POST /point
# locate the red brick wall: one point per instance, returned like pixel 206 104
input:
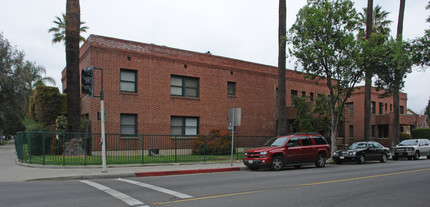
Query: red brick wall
pixel 255 88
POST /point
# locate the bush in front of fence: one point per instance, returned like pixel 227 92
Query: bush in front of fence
pixel 216 143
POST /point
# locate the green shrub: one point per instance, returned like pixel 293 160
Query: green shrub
pixel 404 136
pixel 216 143
pixel 46 104
pixel 421 133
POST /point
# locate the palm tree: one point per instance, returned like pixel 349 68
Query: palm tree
pixel 73 90
pixel 35 73
pixel 282 110
pixel 60 29
pixel 371 21
pixel 368 76
pixel 397 79
pixel 379 19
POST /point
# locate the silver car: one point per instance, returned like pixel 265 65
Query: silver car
pixel 412 149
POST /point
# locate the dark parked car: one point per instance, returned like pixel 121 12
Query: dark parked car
pixel 291 150
pixel 361 152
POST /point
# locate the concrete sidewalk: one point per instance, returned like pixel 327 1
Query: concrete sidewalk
pixel 12 171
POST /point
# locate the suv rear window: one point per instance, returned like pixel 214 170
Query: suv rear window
pixel 320 140
pixel 306 141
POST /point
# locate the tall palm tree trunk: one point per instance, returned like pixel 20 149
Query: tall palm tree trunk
pixel 396 96
pixel 73 16
pixel 368 79
pixel 282 110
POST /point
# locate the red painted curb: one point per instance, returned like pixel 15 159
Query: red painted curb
pixel 180 172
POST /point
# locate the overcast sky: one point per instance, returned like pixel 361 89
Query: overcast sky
pixel 240 29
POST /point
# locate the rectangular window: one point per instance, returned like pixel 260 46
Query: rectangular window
pixel 304 94
pixel 231 88
pixel 373 107
pixel 402 110
pixel 128 81
pixel 311 97
pixel 351 131
pixel 188 126
pixel 293 94
pixel 373 127
pixel 306 141
pixel 184 86
pixel 391 107
pixel 350 107
pixel 381 108
pixel 128 124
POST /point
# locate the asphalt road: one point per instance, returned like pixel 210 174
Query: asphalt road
pixel 395 183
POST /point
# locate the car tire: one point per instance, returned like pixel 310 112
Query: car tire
pixel 361 159
pixel 384 158
pixel 428 156
pixel 321 160
pixel 395 158
pixel 277 163
pixel 417 155
pixel 253 168
pixel 339 162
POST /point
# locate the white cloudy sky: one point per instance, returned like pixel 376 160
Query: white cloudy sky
pixel 240 29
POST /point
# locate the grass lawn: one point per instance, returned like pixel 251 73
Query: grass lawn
pixel 118 160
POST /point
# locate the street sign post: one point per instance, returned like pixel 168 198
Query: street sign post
pixel 234 119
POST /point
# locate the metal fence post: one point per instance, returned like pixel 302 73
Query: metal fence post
pixel 43 148
pixel 176 148
pixel 143 148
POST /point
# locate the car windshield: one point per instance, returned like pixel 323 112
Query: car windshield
pixel 408 142
pixel 358 145
pixel 276 142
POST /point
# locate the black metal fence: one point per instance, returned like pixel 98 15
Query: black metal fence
pixel 50 148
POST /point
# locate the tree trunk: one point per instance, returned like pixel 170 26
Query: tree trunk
pixel 368 79
pixel 73 19
pixel 396 96
pixel 281 108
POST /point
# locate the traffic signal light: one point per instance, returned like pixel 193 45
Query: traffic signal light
pixel 87 81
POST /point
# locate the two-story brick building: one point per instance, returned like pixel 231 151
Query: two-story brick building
pixel 152 89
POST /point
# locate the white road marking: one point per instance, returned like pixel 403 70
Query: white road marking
pixel 123 197
pixel 156 188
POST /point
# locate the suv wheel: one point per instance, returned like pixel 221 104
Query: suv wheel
pixel 417 155
pixel 277 163
pixel 321 160
pixel 253 168
pixel 384 158
pixel 361 159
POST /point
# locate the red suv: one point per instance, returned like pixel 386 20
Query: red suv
pixel 291 150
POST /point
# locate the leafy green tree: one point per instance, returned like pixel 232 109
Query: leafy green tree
pixel 324 43
pixel 304 118
pixel 16 78
pixel 370 21
pixel 312 117
pixel 421 47
pixel 59 31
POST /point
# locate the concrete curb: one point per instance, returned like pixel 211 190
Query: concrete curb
pixel 182 172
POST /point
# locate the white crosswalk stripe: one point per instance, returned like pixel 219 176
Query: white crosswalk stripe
pixel 123 197
pixel 156 188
